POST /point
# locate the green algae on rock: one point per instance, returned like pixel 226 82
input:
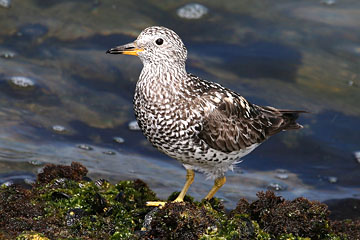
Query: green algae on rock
pixel 65 204
pixel 31 236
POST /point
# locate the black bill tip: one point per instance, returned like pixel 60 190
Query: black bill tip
pixel 127 49
pixel 116 50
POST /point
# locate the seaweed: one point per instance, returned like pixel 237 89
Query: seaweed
pixel 65 204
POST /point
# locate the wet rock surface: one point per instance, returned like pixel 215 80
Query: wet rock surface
pixel 348 208
pixel 62 205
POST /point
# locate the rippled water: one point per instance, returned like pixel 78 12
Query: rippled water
pixel 289 54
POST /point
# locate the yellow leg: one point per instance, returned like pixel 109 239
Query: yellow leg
pixel 219 182
pixel 190 175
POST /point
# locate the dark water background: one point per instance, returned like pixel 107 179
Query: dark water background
pixel 289 54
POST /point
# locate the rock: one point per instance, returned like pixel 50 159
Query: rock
pixel 192 11
pixel 133 125
pixel 276 186
pixel 328 2
pixel 85 147
pixel 58 128
pixel 5 3
pixel 22 82
pixel 7 54
pixel 332 179
pixel 357 156
pixel 118 140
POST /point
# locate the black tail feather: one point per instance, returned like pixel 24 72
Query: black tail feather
pixel 290 117
pixel 281 119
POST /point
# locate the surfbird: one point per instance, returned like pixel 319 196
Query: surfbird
pixel 202 124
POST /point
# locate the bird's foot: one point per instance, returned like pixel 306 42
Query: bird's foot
pixel 161 204
pixel 156 204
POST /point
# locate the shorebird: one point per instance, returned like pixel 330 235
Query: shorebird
pixel 202 124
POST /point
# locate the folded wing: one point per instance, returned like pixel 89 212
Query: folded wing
pixel 233 124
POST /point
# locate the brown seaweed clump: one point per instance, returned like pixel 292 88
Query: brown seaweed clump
pixel 18 213
pixel 180 221
pixel 74 172
pixel 347 229
pixel 278 216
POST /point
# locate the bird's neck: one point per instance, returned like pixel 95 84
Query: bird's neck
pixel 162 74
pixel 157 81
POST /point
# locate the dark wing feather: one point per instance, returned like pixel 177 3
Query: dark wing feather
pixel 235 124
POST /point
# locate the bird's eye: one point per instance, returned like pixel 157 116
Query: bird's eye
pixel 159 41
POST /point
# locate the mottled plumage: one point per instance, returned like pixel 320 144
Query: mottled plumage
pixel 203 125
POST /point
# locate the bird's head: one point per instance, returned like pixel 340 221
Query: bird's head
pixel 155 45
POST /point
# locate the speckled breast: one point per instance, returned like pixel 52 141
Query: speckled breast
pixel 169 124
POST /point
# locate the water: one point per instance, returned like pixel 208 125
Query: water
pixel 296 54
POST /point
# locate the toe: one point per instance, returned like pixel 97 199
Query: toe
pixel 156 204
